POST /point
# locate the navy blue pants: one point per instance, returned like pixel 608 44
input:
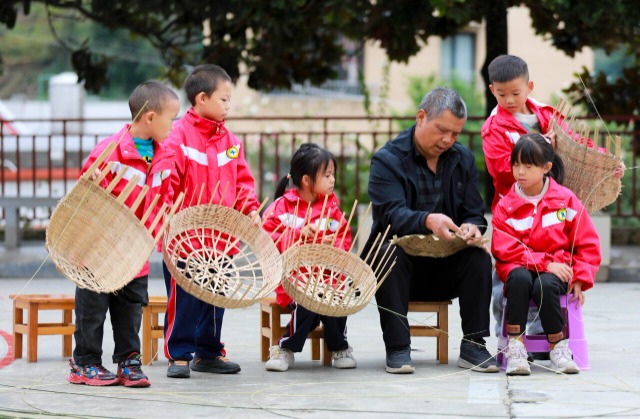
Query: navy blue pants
pixel 125 309
pixel 191 325
pixel 304 321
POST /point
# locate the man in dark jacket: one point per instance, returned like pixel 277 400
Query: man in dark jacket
pixel 423 182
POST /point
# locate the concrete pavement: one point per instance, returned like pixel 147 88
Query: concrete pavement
pixel 610 388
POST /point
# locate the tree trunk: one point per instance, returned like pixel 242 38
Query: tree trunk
pixel 497 41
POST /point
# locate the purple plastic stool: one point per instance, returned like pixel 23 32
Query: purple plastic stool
pixel 573 330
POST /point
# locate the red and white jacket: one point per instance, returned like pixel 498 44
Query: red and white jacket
pixel 558 229
pixel 281 218
pixel 500 132
pixel 156 175
pixel 208 153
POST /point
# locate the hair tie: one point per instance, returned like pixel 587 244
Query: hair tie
pixel 288 175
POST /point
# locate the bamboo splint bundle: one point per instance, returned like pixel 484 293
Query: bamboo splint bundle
pixel 330 281
pixel 431 246
pixel 588 172
pixel 219 255
pixel 94 239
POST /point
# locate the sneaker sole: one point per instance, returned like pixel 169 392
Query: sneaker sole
pixel 137 383
pixel 566 371
pixel 345 367
pixel 405 369
pixel 74 379
pixel 466 364
pixel 521 371
pixel 200 368
pixel 179 374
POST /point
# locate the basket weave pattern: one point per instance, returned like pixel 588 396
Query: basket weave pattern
pixel 95 241
pixel 327 280
pixel 429 245
pixel 220 256
pixel 587 171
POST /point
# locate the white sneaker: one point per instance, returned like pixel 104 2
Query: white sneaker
pixel 562 358
pixel 343 359
pixel 517 358
pixel 279 359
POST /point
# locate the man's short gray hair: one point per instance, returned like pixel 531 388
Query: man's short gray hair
pixel 443 99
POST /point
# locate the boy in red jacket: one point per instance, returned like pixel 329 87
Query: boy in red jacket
pixel 206 153
pixel 153 107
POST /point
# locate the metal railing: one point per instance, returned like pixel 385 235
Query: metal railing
pixel 46 165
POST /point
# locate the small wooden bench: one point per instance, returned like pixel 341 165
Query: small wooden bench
pixel 271 330
pixel 33 304
pixel 152 330
pixel 441 328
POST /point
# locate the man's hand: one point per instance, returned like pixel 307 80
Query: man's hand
pixel 470 234
pixel 442 226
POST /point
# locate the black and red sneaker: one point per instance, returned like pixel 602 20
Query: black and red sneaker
pixel 91 375
pixel 130 372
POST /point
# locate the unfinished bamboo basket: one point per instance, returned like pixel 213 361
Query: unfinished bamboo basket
pixel 331 281
pixel 431 246
pixel 588 172
pixel 94 239
pixel 219 255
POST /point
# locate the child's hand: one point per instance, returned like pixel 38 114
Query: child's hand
pixel 308 232
pixel 551 135
pixel 255 217
pixel 618 172
pixel 561 270
pixel 94 175
pixel 576 289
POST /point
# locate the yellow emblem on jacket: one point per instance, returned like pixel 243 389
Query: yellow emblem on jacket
pixel 562 214
pixel 233 152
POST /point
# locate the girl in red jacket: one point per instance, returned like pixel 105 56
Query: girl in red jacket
pixel 297 215
pixel 545 245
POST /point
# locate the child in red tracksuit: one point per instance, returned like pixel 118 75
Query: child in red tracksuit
pixel 140 150
pixel 516 114
pixel 545 245
pixel 207 153
pixel 297 214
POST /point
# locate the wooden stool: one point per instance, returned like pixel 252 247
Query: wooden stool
pixel 441 328
pixel 271 330
pixel 33 303
pixel 152 330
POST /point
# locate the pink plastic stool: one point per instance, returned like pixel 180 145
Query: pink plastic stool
pixel 573 330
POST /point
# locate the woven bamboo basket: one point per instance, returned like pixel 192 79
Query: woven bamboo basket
pixel 331 281
pixel 94 239
pixel 220 256
pixel 587 171
pixel 430 245
pixel 327 280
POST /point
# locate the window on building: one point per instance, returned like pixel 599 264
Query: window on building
pixel 457 57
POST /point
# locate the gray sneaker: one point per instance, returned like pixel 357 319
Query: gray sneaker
pixel 475 356
pixel 178 368
pixel 562 358
pixel 399 361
